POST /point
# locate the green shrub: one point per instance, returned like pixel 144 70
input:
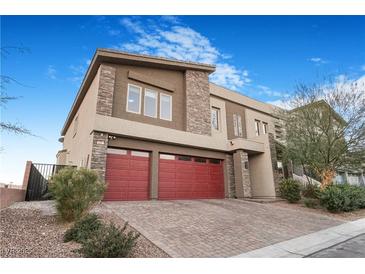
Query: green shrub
pixel 83 229
pixel 311 190
pixel 338 198
pixel 109 242
pixel 290 190
pixel 75 191
pixel 311 202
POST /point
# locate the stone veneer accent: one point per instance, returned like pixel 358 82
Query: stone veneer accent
pixel 104 105
pixel 242 175
pixel 197 102
pixel 277 176
pixel 230 176
pixel 98 154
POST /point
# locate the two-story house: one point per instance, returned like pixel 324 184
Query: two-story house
pixel 156 128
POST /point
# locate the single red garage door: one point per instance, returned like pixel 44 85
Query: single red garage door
pixel 185 177
pixel 127 175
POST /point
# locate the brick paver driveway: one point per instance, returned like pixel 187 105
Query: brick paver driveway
pixel 216 228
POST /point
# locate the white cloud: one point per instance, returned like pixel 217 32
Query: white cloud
pixel 113 32
pixel 280 103
pixel 269 92
pixel 51 72
pixel 317 60
pixel 180 42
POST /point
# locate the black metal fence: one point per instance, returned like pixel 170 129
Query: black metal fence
pixel 38 180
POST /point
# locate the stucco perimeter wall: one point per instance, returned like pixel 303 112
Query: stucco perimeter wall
pixel 79 145
pixel 9 196
pixel 261 171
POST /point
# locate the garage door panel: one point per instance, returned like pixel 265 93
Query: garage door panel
pixel 127 177
pixel 179 179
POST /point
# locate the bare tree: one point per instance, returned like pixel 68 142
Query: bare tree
pixel 6 80
pixel 325 128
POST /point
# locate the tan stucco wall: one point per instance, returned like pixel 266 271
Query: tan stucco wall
pixel 139 130
pixel 251 116
pixel 171 77
pixel 261 172
pixel 79 146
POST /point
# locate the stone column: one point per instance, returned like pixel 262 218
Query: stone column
pixel 154 174
pixel 197 102
pixel 277 176
pixel 104 105
pixel 242 174
pixel 98 153
pixel 229 177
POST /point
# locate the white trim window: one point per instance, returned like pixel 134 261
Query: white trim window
pixel 257 127
pixel 150 103
pixel 134 99
pixel 237 125
pixel 264 127
pixel 215 118
pixel 165 107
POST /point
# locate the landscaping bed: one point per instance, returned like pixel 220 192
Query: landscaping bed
pixel 344 216
pixel 31 229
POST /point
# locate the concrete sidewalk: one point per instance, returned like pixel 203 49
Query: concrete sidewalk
pixel 306 245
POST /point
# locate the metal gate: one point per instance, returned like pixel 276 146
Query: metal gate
pixel 38 180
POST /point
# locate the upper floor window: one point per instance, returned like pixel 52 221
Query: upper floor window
pixel 134 99
pixel 264 127
pixel 150 103
pixel 165 107
pixel 257 127
pixel 237 125
pixel 215 118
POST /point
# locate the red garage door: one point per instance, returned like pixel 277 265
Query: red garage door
pixel 127 175
pixel 185 177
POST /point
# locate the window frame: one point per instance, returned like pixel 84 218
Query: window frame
pixel 144 102
pixel 139 99
pixel 257 127
pixel 165 95
pixel 218 118
pixel 265 128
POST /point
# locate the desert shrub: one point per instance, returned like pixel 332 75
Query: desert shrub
pixel 109 241
pixel 311 190
pixel 338 198
pixel 290 190
pixel 75 191
pixel 311 202
pixel 83 229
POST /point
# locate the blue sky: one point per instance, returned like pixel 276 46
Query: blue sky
pixel 260 56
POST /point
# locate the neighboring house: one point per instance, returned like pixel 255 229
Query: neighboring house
pixel 156 128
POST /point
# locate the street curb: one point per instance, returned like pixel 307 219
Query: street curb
pixel 308 244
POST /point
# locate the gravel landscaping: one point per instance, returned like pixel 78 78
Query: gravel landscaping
pixel 343 216
pixel 31 229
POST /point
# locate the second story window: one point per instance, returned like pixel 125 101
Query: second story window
pixel 237 125
pixel 257 127
pixel 264 127
pixel 165 107
pixel 150 103
pixel 134 99
pixel 215 118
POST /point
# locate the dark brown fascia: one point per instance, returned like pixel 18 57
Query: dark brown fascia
pixel 125 58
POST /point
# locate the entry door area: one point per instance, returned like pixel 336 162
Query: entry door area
pixel 187 177
pixel 127 175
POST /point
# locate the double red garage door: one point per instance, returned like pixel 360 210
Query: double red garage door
pixel 180 177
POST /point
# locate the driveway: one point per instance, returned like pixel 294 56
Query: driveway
pixel 216 228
